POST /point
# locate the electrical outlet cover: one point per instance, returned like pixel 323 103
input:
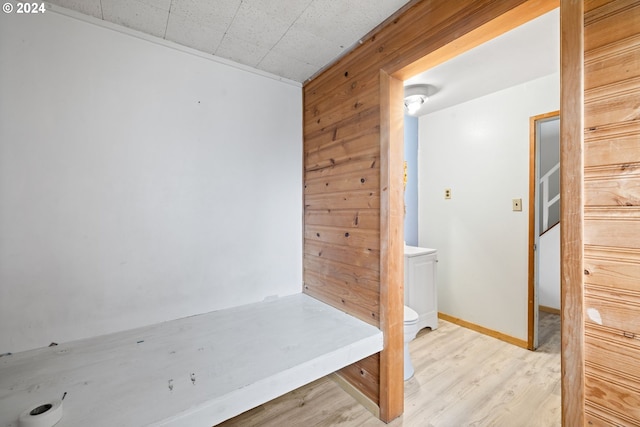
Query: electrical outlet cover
pixel 517 205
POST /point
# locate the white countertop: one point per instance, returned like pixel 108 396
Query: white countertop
pixel 414 251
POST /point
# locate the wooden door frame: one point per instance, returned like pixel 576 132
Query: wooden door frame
pixel 571 179
pixel 533 206
pixel 391 246
pixel 572 209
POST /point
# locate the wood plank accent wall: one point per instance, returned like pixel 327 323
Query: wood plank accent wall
pixel 612 212
pixel 352 235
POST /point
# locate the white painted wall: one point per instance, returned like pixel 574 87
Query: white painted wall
pixel 549 269
pixel 139 182
pixel 480 149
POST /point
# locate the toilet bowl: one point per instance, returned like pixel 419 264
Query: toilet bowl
pixel 410 331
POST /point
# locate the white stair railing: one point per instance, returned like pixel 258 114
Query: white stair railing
pixel 546 203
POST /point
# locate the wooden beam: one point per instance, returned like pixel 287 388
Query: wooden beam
pixel 571 213
pixel 497 26
pixel 391 247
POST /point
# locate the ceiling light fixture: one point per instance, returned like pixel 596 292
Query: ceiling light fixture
pixel 415 96
pixel 414 102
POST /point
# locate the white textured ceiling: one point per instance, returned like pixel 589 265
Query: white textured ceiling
pixel 525 53
pixel 290 38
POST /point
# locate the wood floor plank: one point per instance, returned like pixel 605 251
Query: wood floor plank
pixel 462 378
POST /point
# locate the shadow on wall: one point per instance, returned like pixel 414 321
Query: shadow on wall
pixel 411 190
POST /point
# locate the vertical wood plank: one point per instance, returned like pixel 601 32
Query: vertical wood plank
pixel 391 247
pixel 571 215
pixel 531 265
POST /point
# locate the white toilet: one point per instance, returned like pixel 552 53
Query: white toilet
pixel 410 332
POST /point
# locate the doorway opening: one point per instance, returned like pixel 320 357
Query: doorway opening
pixel 544 221
pixel 571 97
pixel 474 174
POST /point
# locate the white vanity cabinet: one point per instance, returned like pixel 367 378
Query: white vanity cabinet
pixel 420 286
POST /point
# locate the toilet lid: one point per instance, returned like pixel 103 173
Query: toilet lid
pixel 410 315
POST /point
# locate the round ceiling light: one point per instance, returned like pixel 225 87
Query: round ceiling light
pixel 415 96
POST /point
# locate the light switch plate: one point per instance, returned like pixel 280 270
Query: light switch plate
pixel 447 193
pixel 517 205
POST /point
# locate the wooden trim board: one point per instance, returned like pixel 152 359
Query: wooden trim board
pixel 531 265
pixel 549 309
pixel 485 331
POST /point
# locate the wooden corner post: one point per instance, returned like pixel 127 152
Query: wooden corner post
pixel 391 247
pixel 571 210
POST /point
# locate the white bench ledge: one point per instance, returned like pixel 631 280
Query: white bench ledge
pixel 238 358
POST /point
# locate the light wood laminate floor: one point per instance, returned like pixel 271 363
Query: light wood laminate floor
pixel 462 378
